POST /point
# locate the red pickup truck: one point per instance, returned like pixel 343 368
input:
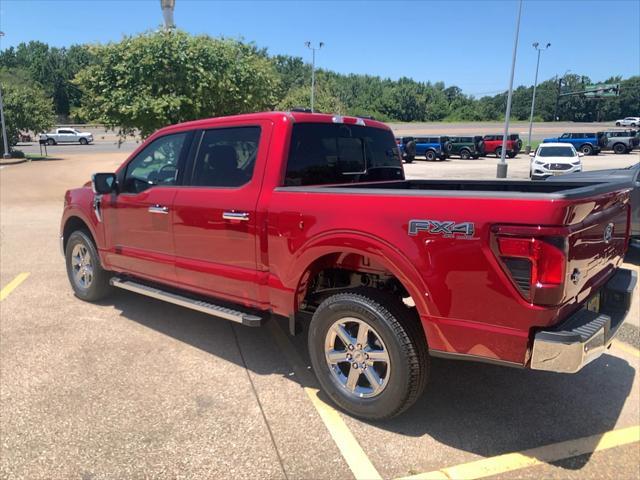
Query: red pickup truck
pixel 309 217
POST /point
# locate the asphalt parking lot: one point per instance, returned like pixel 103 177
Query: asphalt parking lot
pixel 135 388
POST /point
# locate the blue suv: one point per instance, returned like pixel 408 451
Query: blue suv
pixel 432 148
pixel 587 143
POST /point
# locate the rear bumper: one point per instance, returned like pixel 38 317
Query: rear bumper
pixel 585 335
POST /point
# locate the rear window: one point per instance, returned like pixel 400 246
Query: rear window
pixel 323 154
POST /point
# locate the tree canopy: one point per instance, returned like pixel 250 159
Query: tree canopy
pixel 154 79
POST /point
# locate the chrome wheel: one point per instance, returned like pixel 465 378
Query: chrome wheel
pixel 357 357
pixel 82 266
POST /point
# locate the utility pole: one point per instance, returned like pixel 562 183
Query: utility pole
pixel 313 69
pixel 502 166
pixel 560 80
pixel 536 45
pixel 5 153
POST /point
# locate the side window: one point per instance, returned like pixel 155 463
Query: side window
pixel 157 164
pixel 226 157
pixel 565 135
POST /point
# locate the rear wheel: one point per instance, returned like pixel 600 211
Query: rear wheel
pixel 88 279
pixel 431 155
pixel 498 152
pixel 408 159
pixel 620 148
pixel 51 141
pixel 83 141
pixel 587 149
pixel 465 154
pixel 617 124
pixel 511 154
pixel 368 352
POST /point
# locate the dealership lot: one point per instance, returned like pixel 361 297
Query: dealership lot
pixel 136 388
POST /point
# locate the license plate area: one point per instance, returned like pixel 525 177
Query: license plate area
pixel 593 304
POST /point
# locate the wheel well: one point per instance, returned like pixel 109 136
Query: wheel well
pixel 73 224
pixel 337 272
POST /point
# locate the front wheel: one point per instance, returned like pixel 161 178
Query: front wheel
pixel 430 155
pixel 408 159
pixel 368 352
pixel 88 279
pixel 465 154
pixel 84 141
pixel 498 152
pixel 617 124
pixel 620 148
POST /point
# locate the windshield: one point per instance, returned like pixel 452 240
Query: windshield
pixel 324 153
pixel 556 152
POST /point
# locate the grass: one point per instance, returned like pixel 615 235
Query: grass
pixel 33 156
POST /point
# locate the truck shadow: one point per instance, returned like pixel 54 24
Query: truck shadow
pixel 481 409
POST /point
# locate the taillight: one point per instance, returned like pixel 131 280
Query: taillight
pixel 535 264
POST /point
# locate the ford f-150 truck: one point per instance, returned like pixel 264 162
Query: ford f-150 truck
pixel 309 217
pixel 67 135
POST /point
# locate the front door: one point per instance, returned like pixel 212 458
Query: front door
pixel 215 227
pixel 138 219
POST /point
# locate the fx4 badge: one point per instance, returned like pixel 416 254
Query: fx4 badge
pixel 447 229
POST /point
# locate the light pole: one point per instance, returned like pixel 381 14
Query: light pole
pixel 313 69
pixel 536 45
pixel 167 13
pixel 5 153
pixel 502 165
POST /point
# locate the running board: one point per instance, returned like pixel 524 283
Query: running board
pixel 199 305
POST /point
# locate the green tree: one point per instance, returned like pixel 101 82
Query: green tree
pixel 26 106
pixel 155 79
pixel 324 100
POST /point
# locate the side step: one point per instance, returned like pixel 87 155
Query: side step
pixel 199 305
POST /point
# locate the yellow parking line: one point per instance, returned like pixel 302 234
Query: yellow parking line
pixel 535 456
pixel 12 285
pixel 625 347
pixel 351 451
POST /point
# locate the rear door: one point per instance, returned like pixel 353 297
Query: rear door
pixel 138 219
pixel 214 223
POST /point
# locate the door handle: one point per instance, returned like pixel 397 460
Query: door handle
pixel 158 209
pixel 242 216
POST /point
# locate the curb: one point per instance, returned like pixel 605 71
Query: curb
pixel 15 161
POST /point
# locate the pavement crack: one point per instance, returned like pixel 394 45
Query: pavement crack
pixel 255 393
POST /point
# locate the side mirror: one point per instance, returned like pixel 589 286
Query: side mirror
pixel 103 183
pixel 532 154
pixel 580 154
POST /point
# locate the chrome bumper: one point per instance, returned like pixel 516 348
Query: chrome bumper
pixel 585 335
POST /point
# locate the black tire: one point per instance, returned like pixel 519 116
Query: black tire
pixel 51 141
pixel 409 159
pixel 465 154
pixel 498 152
pixel 430 155
pixel 511 154
pixel 98 287
pixel 620 148
pixel 403 339
pixel 617 124
pixel 633 125
pixel 475 157
pixel 84 141
pixel 586 149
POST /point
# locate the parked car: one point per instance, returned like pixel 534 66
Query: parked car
pixel 67 135
pixel 309 218
pixel 629 176
pixel 466 147
pixel 621 141
pixel 587 143
pixel 407 147
pixel 432 148
pixel 628 122
pixel 554 159
pixel 493 144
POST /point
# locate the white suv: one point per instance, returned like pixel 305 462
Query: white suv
pixel 554 159
pixel 628 122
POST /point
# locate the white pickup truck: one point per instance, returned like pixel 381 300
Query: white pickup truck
pixel 67 135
